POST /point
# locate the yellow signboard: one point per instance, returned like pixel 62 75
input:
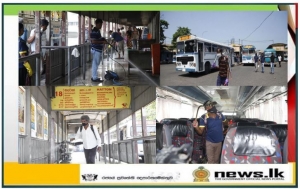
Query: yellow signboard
pixel 89 98
pixel 185 37
pixel 248 46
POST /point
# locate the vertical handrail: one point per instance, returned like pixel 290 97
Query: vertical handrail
pixel 84 62
pixel 69 66
pixel 38 71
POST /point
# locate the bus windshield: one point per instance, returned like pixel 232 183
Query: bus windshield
pixel 189 46
pixel 268 54
pixel 252 51
pixel 180 47
pixel 245 51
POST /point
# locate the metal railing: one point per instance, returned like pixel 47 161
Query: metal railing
pixel 21 148
pixel 39 151
pixel 70 61
pixel 124 150
pixel 35 64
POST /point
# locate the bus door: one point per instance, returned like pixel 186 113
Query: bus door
pixel 200 56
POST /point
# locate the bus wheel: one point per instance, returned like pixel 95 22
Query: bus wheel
pixel 207 68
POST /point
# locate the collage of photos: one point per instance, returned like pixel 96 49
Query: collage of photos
pixel 154 87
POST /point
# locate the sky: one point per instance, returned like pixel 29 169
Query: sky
pixel 222 26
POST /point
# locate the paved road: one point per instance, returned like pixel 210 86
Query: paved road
pixel 241 76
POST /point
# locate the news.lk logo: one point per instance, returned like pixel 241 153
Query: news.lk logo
pixel 273 174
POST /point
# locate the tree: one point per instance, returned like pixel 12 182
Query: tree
pixel 163 26
pixel 180 31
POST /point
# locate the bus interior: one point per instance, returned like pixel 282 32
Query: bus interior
pixel 254 110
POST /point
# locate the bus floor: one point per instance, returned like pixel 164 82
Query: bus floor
pixel 114 64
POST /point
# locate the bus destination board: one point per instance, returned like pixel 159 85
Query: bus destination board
pixel 185 37
pixel 91 98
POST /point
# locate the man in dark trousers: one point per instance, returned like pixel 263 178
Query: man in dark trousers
pixel 212 122
pixel 97 42
pixel 224 70
pixel 262 61
pixel 256 62
pixel 272 63
pixel 91 139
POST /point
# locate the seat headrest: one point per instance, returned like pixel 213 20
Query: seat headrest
pixel 280 130
pixel 265 123
pixel 245 124
pixel 180 128
pixel 254 141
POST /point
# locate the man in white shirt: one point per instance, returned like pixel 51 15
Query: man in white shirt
pixel 31 41
pixel 279 60
pixel 91 139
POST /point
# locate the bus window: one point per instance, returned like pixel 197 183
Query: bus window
pixel 207 47
pixel 189 46
pixel 214 48
pixel 180 47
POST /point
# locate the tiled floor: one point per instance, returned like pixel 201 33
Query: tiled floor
pixel 113 63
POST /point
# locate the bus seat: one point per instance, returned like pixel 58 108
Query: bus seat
pixel 251 145
pixel 245 124
pixel 182 132
pixel 175 155
pixel 281 133
pixel 159 136
pixel 199 149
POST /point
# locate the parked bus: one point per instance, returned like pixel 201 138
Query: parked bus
pixel 248 53
pixel 268 53
pixel 196 54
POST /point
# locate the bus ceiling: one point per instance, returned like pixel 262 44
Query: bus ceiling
pixel 229 98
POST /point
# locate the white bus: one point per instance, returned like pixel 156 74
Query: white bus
pixel 248 53
pixel 196 54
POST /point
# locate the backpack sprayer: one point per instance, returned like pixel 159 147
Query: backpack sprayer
pixel 110 75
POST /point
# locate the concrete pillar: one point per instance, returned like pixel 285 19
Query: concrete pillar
pixel 108 137
pixel 37 39
pixel 134 131
pixel 82 30
pixel 79 28
pixel 51 145
pixel 144 125
pixel 64 26
pixel 47 51
pixel 27 143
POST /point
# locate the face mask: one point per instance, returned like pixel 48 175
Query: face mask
pixel 84 124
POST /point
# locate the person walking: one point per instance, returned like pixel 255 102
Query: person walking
pixel 212 122
pixel 272 63
pixel 256 62
pixel 91 139
pixel 279 60
pixel 224 70
pixel 262 61
pixel 117 37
